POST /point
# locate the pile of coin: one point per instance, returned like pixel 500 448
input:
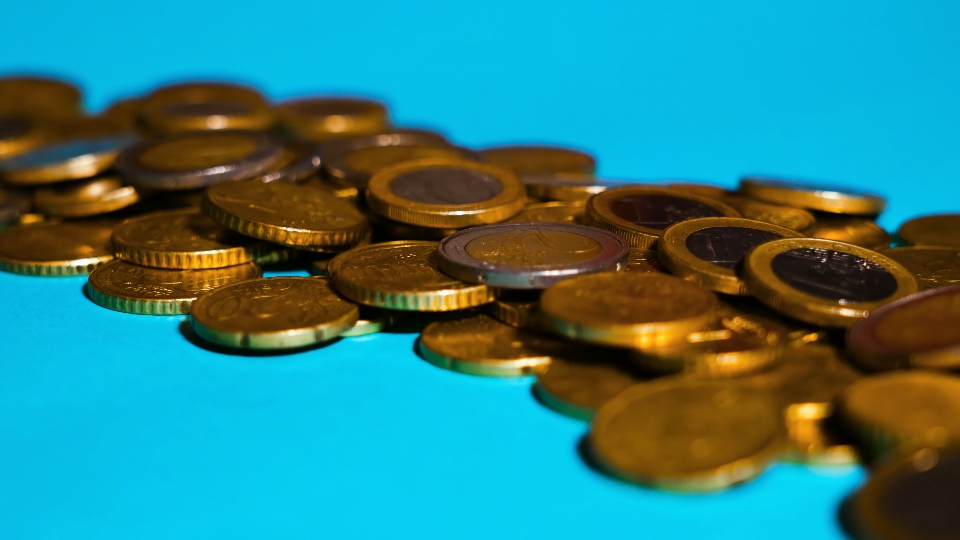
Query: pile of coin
pixel 703 333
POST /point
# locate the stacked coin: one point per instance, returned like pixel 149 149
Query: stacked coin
pixel 703 333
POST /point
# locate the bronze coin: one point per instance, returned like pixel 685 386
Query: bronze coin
pixel 726 246
pixel 834 275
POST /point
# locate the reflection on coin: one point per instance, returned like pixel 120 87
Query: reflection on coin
pixel 323 118
pixel 402 275
pixel 198 159
pixel 69 160
pixel 919 331
pixel 272 313
pixel 85 198
pixel 938 230
pixel 824 282
pixel 627 309
pixel 534 160
pixel 579 387
pixel 298 161
pixel 127 287
pixel 559 187
pixel 812 196
pixel 202 106
pixel 932 266
pixel 55 249
pixel 684 434
pixel 549 212
pixel 529 255
pixel 852 230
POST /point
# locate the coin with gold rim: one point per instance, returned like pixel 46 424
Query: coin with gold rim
pixel 85 198
pixel 56 249
pixel 321 118
pixel 531 159
pixel 356 167
pixel 933 266
pixel 836 200
pixel 198 106
pixel 559 187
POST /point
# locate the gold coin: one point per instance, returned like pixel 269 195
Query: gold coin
pixel 358 166
pixel 55 249
pixel 323 118
pixel 684 434
pixel 932 266
pixel 824 282
pixel 852 230
pixel 627 309
pixel 127 287
pixel 272 313
pixel 480 345
pixel 188 107
pixel 710 251
pixel 518 308
pixel 562 187
pixel 836 200
pixel 372 321
pixel 285 213
pixel 579 387
pixel 402 275
pixel 938 230
pixel 643 260
pixel 904 410
pixel 540 159
pixel 796 219
pixel 40 95
pixel 443 193
pixel 550 212
pixel 640 214
pixel 918 331
pixel 85 198
pixel 185 239
pixel 19 133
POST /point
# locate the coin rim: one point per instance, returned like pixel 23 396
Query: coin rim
pixel 77 167
pixel 774 190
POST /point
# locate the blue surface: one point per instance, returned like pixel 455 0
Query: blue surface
pixel 114 425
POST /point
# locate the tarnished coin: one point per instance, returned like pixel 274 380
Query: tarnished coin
pixel 323 118
pixel 298 161
pixel 550 212
pixel 186 239
pixel 402 275
pixel 199 106
pixel 83 198
pixel 560 187
pixel 628 309
pixel 357 166
pixel 520 309
pixel 919 331
pixel 852 230
pixel 523 160
pixel 913 498
pixel 42 95
pixel 905 410
pixel 20 133
pixel 199 159
pixel 68 160
pixel 579 387
pixel 836 200
pixel 443 193
pixel 684 434
pixel 824 282
pixel 272 313
pixel 130 288
pixel 13 204
pixel 298 215
pixel 796 219
pixel 480 345
pixel 710 251
pixel 529 255
pixel 640 214
pixel 937 230
pixel 55 249
pixel 932 266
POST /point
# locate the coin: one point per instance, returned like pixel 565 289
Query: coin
pixel 334 151
pixel 322 118
pixel 627 309
pixel 520 309
pixel 371 321
pixel 579 387
pixel 40 95
pixel 643 260
pixel 477 344
pixel 298 161
pixel 852 230
pixel 402 275
pixel 903 410
pixel 836 200
pixel 914 497
pixel 356 167
pixel 443 193
pixel 199 106
pixel 919 331
pixel 298 215
pixel 721 352
pixel 932 266
pixel 640 214
pixel 710 251
pixel 683 434
pixel 199 159
pixel 83 198
pixel 549 212
pixel 55 249
pixel 185 239
pixel 69 160
pixel 130 288
pixel 13 204
pixel 796 219
pixel 560 187
pixel 937 230
pixel 272 313
pixel 824 282
pixel 523 160
pixel 19 133
pixel 529 255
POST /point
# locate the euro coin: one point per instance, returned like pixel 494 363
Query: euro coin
pixel 68 160
pixel 199 106
pixel 55 249
pixel 84 198
pixel 796 219
pixel 852 230
pixel 937 230
pixel 372 321
pixel 812 196
pixel 579 387
pixel 323 118
pixel 523 160
pixel 932 266
pixel 298 161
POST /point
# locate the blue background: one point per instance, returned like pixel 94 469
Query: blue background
pixel 114 425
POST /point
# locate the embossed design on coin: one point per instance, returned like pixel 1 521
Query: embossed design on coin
pixel 834 275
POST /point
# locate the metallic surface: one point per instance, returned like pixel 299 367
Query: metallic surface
pixel 56 249
pixel 812 196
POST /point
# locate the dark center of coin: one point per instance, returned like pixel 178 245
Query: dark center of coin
pixel 11 127
pixel 659 211
pixel 834 275
pixel 446 185
pixel 726 246
pixel 924 504
pixel 207 108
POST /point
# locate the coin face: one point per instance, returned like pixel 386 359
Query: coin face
pixel 528 255
pixel 205 106
pixel 938 230
pixel 933 266
pixel 56 249
pixel 446 185
pixel 540 159
pixel 834 275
